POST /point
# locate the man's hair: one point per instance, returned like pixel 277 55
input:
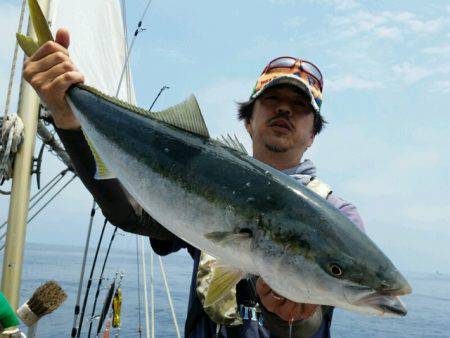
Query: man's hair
pixel 245 112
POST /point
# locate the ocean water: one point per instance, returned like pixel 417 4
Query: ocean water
pixel 429 305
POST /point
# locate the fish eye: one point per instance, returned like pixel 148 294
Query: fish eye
pixel 335 270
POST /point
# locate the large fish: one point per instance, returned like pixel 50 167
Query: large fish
pixel 252 218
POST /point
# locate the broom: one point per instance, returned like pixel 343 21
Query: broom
pixel 46 299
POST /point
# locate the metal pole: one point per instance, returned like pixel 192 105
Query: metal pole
pixel 144 279
pixel 20 192
pixel 169 298
pixel 152 293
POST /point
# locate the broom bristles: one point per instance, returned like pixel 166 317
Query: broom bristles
pixel 47 298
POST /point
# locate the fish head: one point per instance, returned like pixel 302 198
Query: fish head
pixel 340 267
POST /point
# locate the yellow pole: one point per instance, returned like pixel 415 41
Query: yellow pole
pixel 20 192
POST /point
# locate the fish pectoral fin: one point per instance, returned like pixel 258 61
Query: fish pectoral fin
pixel 185 115
pixel 101 172
pixel 222 237
pixel 40 24
pixel 223 281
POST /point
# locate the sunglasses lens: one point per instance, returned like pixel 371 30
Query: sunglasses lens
pixel 313 70
pixel 282 63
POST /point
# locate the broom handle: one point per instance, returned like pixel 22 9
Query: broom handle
pixel 32 331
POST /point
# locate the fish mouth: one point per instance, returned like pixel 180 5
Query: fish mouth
pixel 385 303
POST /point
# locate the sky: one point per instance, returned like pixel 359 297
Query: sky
pixel 386 67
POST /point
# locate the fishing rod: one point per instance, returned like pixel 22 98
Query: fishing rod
pixel 88 287
pixel 99 284
pixel 157 96
pixel 83 267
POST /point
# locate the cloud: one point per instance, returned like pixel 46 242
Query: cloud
pixel 337 4
pixel 352 82
pixel 293 23
pixel 175 55
pixel 411 73
pixel 442 86
pixel 342 4
pixel 386 24
pixel 437 50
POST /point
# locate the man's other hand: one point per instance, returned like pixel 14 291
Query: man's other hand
pixel 284 308
pixel 50 71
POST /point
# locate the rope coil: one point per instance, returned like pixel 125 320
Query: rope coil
pixel 11 138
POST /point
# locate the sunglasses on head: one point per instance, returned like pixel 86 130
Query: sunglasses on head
pixel 290 62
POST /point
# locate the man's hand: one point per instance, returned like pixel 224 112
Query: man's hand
pixel 284 308
pixel 51 72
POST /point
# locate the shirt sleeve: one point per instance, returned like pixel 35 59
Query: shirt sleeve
pixel 348 209
pixel 116 204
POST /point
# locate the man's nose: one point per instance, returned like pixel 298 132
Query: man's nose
pixel 284 108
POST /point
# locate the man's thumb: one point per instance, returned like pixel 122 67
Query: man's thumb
pixel 63 37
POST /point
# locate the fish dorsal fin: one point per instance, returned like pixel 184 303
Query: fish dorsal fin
pixel 102 172
pixel 224 279
pixel 41 28
pixel 185 115
pixel 233 143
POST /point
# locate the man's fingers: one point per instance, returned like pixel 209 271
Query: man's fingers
pixel 47 48
pixel 262 288
pixel 303 311
pixel 286 310
pixel 62 37
pixel 43 65
pixel 60 85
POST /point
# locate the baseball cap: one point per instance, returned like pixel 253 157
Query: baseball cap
pixel 287 70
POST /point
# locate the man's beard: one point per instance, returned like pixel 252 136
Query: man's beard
pixel 275 149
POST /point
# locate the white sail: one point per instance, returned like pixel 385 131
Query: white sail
pixel 97 41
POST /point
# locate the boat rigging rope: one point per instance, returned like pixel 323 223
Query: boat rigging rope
pixel 52 198
pixel 130 49
pixel 99 284
pixel 46 204
pixel 11 137
pixel 58 177
pixel 169 297
pixel 11 126
pixel 88 287
pixel 14 61
pixel 83 267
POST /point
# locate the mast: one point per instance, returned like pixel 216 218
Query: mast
pixel 20 192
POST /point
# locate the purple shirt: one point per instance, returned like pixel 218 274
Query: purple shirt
pixel 305 172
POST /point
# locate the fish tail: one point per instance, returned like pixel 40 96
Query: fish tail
pixel 40 24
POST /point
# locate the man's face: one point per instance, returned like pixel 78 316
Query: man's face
pixel 282 121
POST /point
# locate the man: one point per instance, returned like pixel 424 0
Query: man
pixel 282 117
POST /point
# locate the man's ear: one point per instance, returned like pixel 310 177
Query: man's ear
pixel 248 126
pixel 312 136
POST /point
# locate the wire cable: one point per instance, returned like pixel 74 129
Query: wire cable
pixel 52 198
pixel 62 173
